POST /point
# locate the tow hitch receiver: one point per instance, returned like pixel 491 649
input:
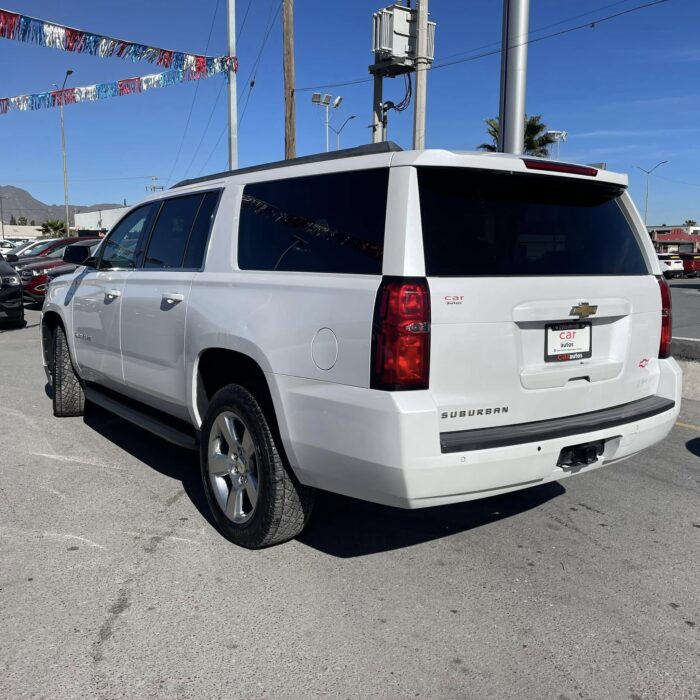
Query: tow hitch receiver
pixel 581 455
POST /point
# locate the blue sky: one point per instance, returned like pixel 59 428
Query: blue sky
pixel 627 91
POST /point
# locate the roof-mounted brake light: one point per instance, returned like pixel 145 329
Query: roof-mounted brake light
pixel 555 167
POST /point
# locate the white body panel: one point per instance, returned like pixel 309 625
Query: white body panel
pixel 311 334
pixel 384 446
pixel 95 303
pixel 153 313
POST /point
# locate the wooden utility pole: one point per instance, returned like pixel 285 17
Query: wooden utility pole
pixel 290 136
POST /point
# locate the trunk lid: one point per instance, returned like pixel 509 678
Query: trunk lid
pixel 542 301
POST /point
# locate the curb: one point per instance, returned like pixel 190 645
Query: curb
pixel 691 379
pixel 687 353
pixel 685 349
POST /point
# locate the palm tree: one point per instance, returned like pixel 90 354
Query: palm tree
pixel 53 228
pixel 537 141
pixel 690 222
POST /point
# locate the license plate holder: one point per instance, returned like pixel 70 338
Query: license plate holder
pixel 566 342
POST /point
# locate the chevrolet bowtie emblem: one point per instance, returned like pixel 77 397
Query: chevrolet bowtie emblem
pixel 583 310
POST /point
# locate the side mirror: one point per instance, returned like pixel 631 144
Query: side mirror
pixel 11 257
pixel 76 254
pixel 91 262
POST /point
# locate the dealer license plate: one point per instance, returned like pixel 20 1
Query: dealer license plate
pixel 567 341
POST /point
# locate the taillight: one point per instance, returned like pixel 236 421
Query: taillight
pixel 665 344
pixel 401 335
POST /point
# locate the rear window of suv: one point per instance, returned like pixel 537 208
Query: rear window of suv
pixel 490 224
pixel 330 223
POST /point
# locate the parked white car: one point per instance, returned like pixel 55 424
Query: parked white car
pixel 671 265
pixel 412 328
pixel 6 247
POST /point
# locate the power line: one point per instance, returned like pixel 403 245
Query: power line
pixel 194 98
pixel 206 128
pixel 216 101
pixel 250 81
pixel 446 64
pixel 254 71
pixel 679 182
pixel 332 85
pixel 539 29
pixel 87 179
pixel 586 25
pixel 213 150
pixel 245 17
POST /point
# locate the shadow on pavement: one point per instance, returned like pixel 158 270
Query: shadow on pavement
pixel 158 454
pixel 345 527
pixel 694 446
pixel 341 527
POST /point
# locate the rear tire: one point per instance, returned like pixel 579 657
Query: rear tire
pixel 68 394
pixel 254 498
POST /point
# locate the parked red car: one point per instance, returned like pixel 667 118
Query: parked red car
pixel 51 248
pixel 691 264
pixel 35 278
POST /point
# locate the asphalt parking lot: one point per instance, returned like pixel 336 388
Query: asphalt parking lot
pixel 113 583
pixel 685 296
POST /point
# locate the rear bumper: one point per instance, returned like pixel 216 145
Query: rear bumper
pixel 385 447
pixel 503 436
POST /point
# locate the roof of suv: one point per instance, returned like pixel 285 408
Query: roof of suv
pixel 390 154
pixel 369 149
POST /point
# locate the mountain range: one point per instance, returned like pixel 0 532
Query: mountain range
pixel 18 202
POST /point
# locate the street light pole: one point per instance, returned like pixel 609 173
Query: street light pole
pixel 2 217
pixel 646 196
pixel 325 101
pixel 422 65
pixel 63 150
pixel 337 131
pixel 232 95
pixel 511 113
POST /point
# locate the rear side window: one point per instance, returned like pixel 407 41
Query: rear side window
pixel 481 223
pixel 181 232
pixel 166 248
pixel 324 223
pixel 194 255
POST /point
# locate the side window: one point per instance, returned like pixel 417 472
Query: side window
pixel 166 249
pixel 121 248
pixel 194 256
pixel 323 223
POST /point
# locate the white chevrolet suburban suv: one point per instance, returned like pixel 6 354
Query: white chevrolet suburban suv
pixel 413 328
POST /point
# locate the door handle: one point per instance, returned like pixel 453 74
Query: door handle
pixel 112 293
pixel 172 297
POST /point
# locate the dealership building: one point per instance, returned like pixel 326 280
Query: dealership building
pixel 102 219
pixel 675 239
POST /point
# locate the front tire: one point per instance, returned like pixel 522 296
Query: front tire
pixel 255 500
pixel 68 394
